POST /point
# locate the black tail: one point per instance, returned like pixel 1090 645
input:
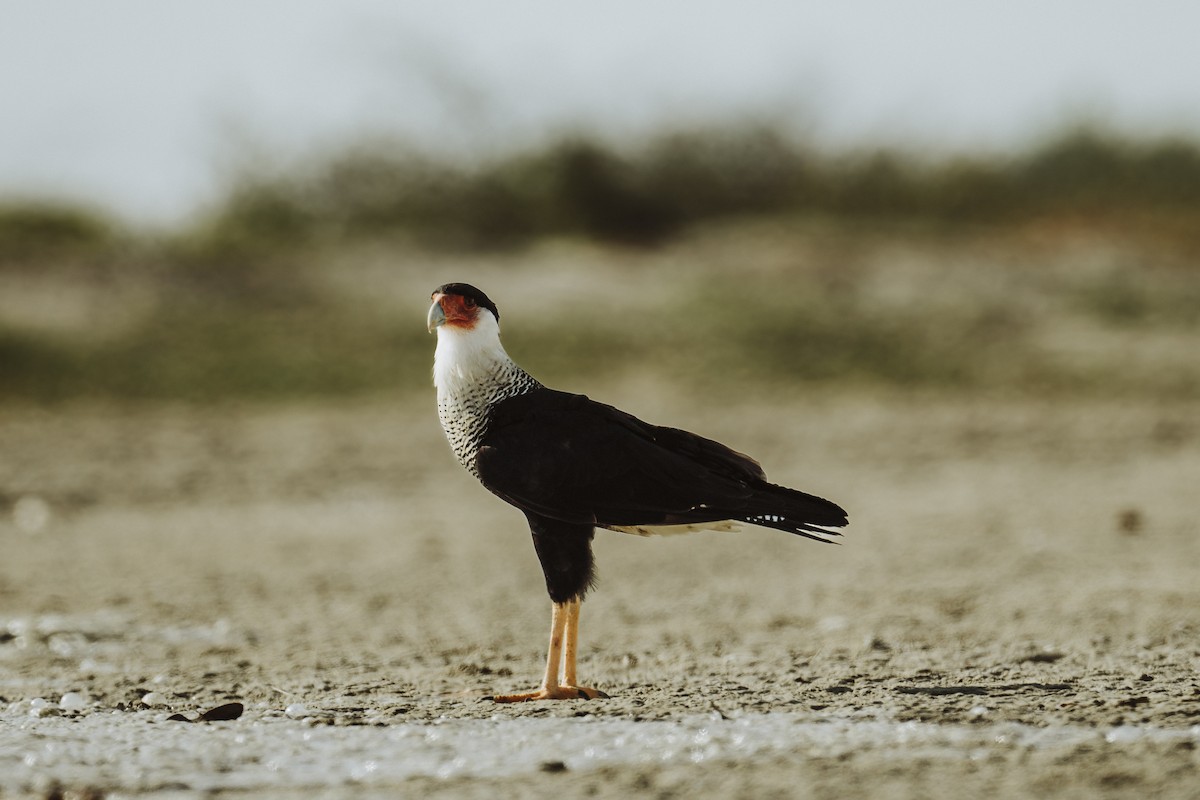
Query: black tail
pixel 793 511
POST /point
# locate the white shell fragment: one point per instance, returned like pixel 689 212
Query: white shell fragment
pixel 73 701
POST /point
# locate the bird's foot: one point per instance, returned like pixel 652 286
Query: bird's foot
pixel 553 693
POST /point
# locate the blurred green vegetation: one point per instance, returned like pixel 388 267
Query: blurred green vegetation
pixel 243 301
pixel 216 354
pixel 648 194
pixel 39 231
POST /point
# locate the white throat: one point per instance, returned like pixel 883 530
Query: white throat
pixel 473 373
pixel 467 359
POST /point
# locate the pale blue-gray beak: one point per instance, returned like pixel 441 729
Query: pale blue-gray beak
pixel 437 316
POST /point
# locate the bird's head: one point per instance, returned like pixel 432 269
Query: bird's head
pixel 468 346
pixel 461 307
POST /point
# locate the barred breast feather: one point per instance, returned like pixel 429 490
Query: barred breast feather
pixel 464 411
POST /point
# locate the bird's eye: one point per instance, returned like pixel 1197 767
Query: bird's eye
pixel 468 302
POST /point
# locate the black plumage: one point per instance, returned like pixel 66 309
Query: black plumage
pixel 563 458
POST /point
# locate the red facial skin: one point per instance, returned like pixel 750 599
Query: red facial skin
pixel 460 311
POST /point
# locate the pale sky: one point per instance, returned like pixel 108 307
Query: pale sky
pixel 144 106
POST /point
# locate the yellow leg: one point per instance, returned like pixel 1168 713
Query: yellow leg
pixel 571 645
pixel 560 661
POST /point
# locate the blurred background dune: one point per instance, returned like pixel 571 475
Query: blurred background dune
pixel 253 202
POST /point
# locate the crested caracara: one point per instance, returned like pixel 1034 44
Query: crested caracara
pixel 572 465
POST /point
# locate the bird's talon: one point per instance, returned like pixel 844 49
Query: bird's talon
pixel 553 693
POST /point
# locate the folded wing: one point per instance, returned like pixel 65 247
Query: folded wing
pixel 570 458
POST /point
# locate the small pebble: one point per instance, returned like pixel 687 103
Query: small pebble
pixel 38 707
pixel 296 710
pixel 153 699
pixel 73 701
pixel 223 713
pixel 1124 734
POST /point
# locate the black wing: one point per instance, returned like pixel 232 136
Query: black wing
pixel 565 456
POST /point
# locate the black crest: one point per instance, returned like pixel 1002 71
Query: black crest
pixel 467 290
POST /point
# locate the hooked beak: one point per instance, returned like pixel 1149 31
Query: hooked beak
pixel 437 315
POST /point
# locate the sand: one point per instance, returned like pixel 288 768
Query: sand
pixel 1015 609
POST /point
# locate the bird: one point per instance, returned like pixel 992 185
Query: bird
pixel 573 465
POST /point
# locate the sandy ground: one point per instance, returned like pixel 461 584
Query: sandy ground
pixel 1015 609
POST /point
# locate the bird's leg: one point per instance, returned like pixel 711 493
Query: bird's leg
pixel 571 643
pixel 564 624
pixel 570 647
pixel 558 621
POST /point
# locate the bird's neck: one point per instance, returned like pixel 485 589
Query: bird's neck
pixel 474 362
pixel 473 373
